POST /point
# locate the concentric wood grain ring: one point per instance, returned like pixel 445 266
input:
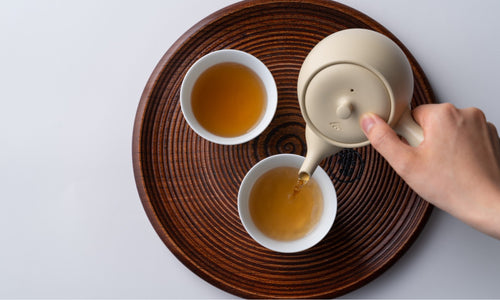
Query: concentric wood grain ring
pixel 189 186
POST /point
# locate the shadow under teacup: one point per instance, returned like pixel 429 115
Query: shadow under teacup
pixel 228 97
pixel 259 214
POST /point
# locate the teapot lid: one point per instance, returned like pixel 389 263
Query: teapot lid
pixel 337 96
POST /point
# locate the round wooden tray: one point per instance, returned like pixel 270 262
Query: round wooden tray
pixel 189 186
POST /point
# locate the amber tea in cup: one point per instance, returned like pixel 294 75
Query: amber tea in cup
pixel 228 97
pixel 283 213
pixel 282 207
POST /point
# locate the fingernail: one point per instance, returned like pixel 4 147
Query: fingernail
pixel 367 122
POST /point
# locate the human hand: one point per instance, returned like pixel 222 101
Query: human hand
pixel 456 167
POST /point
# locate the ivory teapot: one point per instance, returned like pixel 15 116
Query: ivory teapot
pixel 347 74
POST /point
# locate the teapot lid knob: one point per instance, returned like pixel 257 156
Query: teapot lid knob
pixel 344 110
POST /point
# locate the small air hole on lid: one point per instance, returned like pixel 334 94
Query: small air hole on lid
pixel 352 90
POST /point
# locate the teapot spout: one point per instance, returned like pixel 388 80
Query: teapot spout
pixel 317 150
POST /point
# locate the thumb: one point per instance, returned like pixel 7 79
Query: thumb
pixel 385 140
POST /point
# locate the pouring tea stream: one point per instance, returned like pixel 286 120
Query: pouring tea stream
pixel 347 74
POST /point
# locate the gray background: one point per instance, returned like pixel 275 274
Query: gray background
pixel 71 75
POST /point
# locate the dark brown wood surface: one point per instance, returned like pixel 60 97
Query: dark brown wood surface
pixel 188 186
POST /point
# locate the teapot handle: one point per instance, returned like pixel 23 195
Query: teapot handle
pixel 409 129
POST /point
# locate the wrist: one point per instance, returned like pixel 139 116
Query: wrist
pixel 484 215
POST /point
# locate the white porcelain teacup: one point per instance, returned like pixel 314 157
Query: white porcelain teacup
pixel 229 56
pixel 324 222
